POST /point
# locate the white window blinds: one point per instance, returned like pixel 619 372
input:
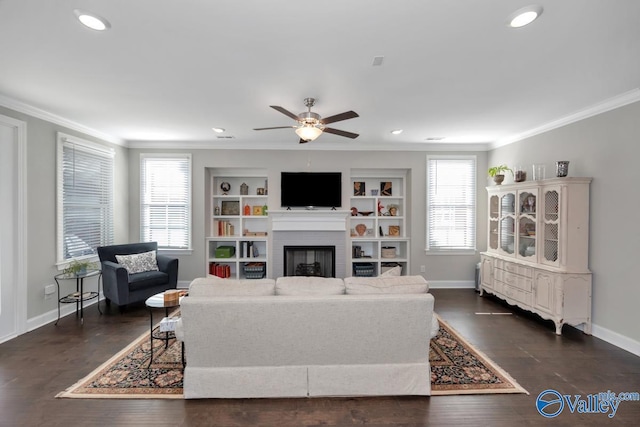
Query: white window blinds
pixel 85 197
pixel 165 197
pixel 451 204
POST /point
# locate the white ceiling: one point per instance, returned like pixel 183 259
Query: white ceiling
pixel 170 70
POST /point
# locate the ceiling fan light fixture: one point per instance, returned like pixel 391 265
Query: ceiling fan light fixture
pixel 524 16
pixel 92 21
pixel 308 133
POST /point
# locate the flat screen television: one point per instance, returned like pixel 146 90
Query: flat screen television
pixel 311 189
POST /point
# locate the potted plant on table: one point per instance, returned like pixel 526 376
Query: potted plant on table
pixel 497 173
pixel 76 267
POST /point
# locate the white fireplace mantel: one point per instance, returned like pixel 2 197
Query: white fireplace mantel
pixel 309 220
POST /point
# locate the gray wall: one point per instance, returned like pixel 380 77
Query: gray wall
pixel 439 268
pixel 41 205
pixel 605 147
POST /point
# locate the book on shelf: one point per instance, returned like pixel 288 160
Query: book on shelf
pixel 220 270
pixel 248 249
pixel 225 228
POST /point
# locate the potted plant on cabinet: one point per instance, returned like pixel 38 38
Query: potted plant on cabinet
pixel 497 173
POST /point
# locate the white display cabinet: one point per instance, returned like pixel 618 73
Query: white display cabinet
pixel 538 247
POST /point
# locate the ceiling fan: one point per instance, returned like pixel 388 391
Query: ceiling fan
pixel 311 125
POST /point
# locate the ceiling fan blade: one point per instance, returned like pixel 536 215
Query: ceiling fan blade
pixel 285 112
pixel 303 141
pixel 339 117
pixel 341 133
pixel 277 127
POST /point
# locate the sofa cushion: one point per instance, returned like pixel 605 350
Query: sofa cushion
pixel 308 285
pixel 215 286
pixel 138 263
pixel 147 279
pixel 386 285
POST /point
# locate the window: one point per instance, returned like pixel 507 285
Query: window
pixel 451 204
pixel 84 197
pixel 165 200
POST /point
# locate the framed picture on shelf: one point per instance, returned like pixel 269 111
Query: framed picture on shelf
pixel 386 188
pixel 394 230
pixel 359 188
pixel 257 210
pixel 230 207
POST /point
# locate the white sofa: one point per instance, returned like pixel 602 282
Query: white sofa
pixel 302 337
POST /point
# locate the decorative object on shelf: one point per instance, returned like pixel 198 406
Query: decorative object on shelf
pixel 361 229
pixel 529 204
pixel 380 207
pixel 244 189
pixel 359 188
pixel 562 168
pixel 374 192
pixel 230 207
pixel 497 173
pixel 265 209
pixel 394 230
pixel 392 210
pixel 225 187
pixel 380 231
pixel 386 188
pixel 357 252
pixel 76 267
pixel 260 191
pixel 520 174
pixel 538 172
pixel 266 187
pixel 257 210
pixel 365 213
pixel 388 252
pixel 354 211
pixel 216 210
pixel 247 210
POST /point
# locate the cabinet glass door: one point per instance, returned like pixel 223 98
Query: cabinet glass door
pixel 551 226
pixel 494 215
pixel 527 224
pixel 507 223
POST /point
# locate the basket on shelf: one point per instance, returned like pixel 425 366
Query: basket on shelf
pixel 254 270
pixel 363 269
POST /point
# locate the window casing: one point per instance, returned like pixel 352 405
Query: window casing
pixel 451 204
pixel 85 221
pixel 165 200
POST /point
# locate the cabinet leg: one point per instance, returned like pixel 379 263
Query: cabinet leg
pixel 559 328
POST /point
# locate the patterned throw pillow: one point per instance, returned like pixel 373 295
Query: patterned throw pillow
pixel 139 263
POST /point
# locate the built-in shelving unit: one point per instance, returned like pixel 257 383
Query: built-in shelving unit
pixel 378 221
pixel 237 241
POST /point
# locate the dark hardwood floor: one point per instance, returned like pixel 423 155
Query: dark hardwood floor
pixel 36 366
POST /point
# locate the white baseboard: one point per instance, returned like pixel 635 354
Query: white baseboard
pixel 621 341
pixel 451 284
pixel 52 315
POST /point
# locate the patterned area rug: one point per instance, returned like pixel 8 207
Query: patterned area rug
pixel 456 368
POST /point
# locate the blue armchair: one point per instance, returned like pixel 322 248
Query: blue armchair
pixel 123 288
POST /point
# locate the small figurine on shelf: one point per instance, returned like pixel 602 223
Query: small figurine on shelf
pixel 380 207
pixel 247 210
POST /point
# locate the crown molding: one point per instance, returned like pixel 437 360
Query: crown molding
pixel 24 108
pixel 599 108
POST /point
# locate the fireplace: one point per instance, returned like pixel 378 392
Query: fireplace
pixel 310 261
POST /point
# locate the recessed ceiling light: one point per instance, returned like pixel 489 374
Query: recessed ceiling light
pixel 218 130
pixel 92 21
pixel 524 16
pixel 435 138
pixel 396 131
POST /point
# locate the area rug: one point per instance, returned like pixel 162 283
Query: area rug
pixel 456 368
